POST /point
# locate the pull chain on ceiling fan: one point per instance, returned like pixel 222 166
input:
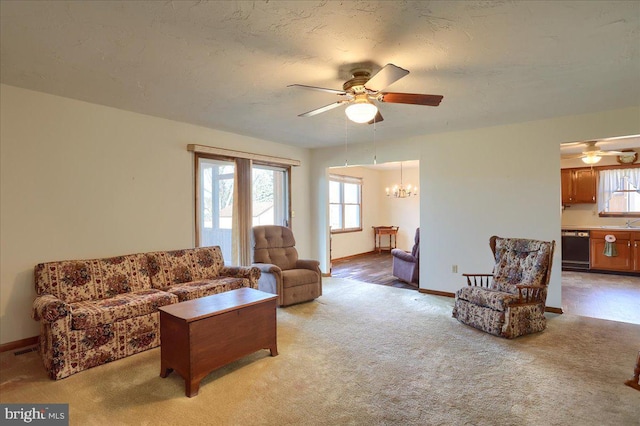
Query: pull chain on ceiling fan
pixel 362 92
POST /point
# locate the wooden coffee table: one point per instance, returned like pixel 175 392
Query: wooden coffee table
pixel 201 335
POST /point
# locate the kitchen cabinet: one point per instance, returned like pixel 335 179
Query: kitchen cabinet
pixel 578 185
pixel 628 247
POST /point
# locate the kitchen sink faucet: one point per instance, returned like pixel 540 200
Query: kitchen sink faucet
pixel 631 222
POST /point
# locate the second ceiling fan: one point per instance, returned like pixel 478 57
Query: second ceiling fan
pixel 591 154
pixel 362 91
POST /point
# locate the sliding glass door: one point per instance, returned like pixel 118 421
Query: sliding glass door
pixel 215 204
pixel 232 196
pixel 270 196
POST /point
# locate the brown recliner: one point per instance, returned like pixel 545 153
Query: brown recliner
pixel 293 280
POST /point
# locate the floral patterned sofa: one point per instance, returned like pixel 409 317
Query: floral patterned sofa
pixel 95 311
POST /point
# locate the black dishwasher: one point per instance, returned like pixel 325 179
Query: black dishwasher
pixel 575 250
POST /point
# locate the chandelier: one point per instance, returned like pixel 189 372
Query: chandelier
pixel 399 191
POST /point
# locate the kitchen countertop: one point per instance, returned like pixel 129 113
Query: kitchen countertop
pixel 598 228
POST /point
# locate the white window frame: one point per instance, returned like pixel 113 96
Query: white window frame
pixel 611 181
pixel 342 180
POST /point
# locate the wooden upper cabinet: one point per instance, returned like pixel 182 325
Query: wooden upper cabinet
pixel 565 174
pixel 578 185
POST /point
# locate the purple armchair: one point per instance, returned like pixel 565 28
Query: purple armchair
pixel 406 265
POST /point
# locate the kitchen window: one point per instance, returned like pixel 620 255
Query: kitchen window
pixel 619 192
pixel 345 203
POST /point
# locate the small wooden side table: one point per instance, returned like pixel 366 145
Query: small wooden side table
pixel 379 231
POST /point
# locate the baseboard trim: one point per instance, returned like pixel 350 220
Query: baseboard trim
pixel 17 344
pixel 436 292
pixel 550 309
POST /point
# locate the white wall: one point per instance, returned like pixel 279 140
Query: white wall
pixel 80 180
pixel 403 212
pixel 379 210
pixel 502 180
pixel 352 243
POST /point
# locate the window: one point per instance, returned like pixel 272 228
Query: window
pixel 234 194
pixel 618 192
pixel 270 195
pixel 345 203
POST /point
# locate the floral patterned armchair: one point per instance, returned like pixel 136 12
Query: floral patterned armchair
pixel 510 302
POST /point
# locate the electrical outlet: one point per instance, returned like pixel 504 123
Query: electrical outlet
pixel 454 269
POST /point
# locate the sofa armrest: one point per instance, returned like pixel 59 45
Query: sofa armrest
pixel 313 265
pixel 270 280
pixel 403 255
pixel 268 268
pixel 250 272
pixel 48 308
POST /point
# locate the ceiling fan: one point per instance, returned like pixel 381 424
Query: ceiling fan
pixel 362 91
pixel 591 154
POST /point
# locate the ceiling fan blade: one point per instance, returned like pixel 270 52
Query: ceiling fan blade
pixel 572 156
pixel 320 89
pixel 322 109
pixel 610 153
pixel 410 98
pixel 388 75
pixel 378 118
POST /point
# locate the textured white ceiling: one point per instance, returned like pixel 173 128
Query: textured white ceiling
pixel 226 64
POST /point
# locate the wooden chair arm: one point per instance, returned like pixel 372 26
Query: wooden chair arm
pixel 530 293
pixel 478 280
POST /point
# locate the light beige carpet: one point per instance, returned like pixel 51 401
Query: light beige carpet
pixel 366 354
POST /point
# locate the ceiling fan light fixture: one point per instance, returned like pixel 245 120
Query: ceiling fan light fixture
pixel 361 111
pixel 591 159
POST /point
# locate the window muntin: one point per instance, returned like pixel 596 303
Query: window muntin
pixel 345 203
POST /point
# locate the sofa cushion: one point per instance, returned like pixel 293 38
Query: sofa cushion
pixel 195 289
pixel 296 277
pixel 493 299
pixel 78 280
pixel 168 268
pixel 92 313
